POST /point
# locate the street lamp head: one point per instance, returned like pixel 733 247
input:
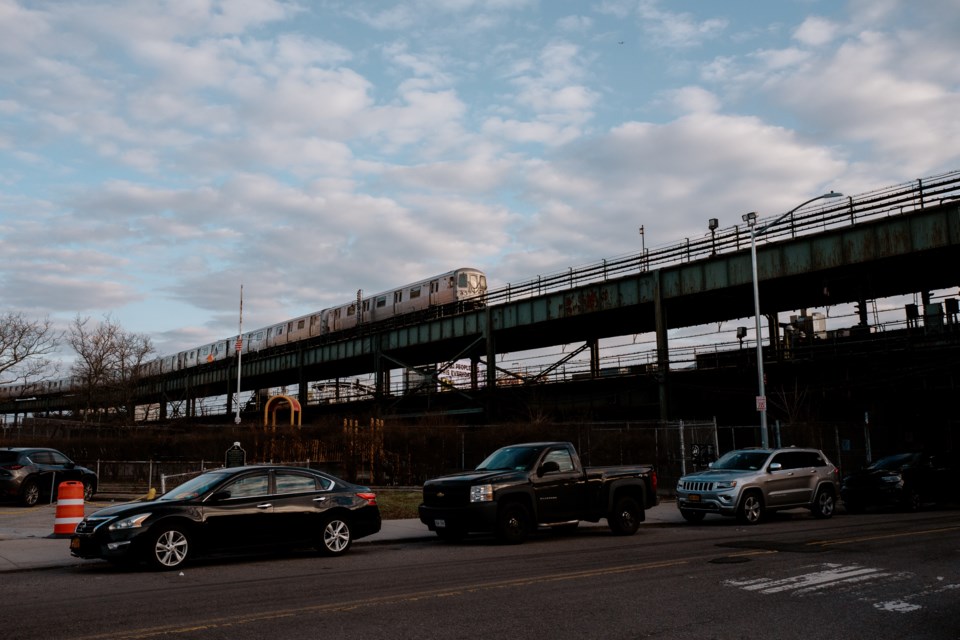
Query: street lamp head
pixel 750 218
pixel 832 194
pixel 713 224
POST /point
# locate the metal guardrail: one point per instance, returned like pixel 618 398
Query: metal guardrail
pixel 885 202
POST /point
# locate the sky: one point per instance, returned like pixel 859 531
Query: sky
pixel 157 155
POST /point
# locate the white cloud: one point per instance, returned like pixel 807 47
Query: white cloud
pixel 815 31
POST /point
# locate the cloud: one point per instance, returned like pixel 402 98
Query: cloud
pixel 673 29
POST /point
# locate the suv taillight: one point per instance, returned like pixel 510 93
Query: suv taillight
pixel 12 467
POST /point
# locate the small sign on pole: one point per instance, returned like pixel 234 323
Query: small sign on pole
pixel 761 403
pixel 236 456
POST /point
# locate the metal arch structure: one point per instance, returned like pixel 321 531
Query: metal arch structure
pixel 278 403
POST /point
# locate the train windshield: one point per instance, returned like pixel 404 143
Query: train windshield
pixel 472 281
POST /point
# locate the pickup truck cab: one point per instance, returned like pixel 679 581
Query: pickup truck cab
pixel 520 487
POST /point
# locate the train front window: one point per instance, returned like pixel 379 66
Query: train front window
pixel 464 280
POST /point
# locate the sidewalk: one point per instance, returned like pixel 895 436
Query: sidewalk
pixel 27 541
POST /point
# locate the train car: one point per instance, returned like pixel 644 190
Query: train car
pixel 465 285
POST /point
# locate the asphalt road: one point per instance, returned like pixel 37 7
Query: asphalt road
pixel 876 575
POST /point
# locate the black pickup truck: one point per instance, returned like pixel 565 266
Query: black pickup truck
pixel 523 486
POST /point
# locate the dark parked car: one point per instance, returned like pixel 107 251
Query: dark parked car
pixel 904 480
pixel 232 510
pixel 29 474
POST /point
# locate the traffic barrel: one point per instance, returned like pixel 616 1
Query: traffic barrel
pixel 69 508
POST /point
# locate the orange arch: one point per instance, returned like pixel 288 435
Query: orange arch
pixel 276 403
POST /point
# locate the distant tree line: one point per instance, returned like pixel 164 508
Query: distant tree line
pixel 106 370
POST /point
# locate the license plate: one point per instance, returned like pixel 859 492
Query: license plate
pixel 693 497
pixel 75 543
pixel 440 524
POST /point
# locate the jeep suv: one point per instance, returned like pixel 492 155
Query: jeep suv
pixel 748 483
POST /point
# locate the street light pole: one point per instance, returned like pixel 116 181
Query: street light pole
pixel 751 220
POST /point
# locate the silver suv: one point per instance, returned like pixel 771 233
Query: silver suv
pixel 747 483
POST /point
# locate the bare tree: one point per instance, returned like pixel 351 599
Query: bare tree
pixel 24 345
pixel 109 364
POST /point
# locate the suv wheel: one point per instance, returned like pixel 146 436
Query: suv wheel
pixel 823 504
pixel 750 510
pixel 30 494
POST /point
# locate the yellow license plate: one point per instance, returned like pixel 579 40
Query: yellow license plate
pixel 694 497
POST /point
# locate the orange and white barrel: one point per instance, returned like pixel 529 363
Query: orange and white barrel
pixel 69 508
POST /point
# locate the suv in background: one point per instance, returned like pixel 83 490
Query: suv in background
pixel 28 474
pixel 748 483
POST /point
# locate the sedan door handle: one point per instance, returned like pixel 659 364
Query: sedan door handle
pixel 320 499
pixel 265 505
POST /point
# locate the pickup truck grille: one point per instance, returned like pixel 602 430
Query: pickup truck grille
pixel 696 485
pixel 445 496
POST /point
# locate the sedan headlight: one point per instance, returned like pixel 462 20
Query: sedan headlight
pixel 726 484
pixel 130 522
pixel 481 493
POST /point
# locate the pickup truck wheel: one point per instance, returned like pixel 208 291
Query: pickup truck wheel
pixel 823 504
pixel 626 516
pixel 692 516
pixel 513 523
pixel 750 510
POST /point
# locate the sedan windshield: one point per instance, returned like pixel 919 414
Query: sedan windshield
pixel 894 462
pixel 194 487
pixel 741 460
pixel 510 458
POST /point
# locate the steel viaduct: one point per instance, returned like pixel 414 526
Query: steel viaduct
pixel 899 240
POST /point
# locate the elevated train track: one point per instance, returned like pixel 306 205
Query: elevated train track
pixel 899 240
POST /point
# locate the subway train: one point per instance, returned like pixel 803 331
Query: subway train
pixel 466 286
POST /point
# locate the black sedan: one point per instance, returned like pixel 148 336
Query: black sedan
pixel 232 510
pixel 904 480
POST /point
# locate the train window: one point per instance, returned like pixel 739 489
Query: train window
pixel 381 301
pixel 352 310
pixel 435 286
pixel 397 297
pixel 301 324
pixel 415 293
pixel 366 305
pixel 259 335
pixel 280 330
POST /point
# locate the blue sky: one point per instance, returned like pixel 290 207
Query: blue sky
pixel 156 155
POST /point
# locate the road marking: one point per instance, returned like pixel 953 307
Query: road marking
pixel 840 577
pixel 829 576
